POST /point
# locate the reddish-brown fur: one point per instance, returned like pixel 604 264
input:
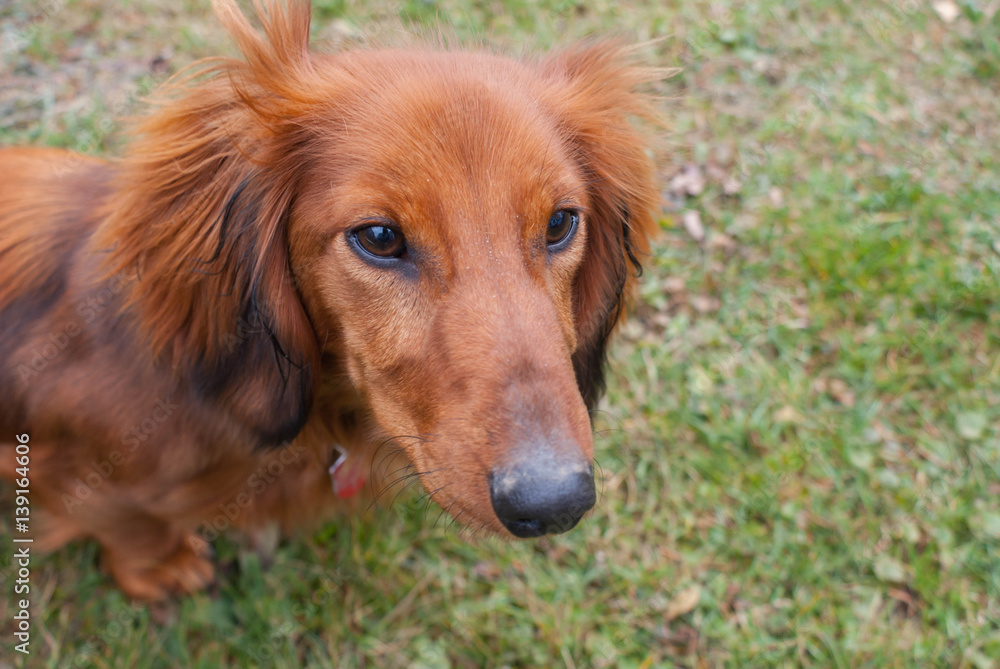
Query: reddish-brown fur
pixel 174 322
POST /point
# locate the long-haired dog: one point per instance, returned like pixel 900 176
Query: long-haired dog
pixel 302 257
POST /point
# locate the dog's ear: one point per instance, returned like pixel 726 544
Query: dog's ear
pixel 597 93
pixel 198 225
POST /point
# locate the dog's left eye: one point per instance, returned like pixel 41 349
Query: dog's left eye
pixel 561 228
pixel 380 241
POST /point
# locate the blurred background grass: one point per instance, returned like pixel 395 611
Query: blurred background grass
pixel 800 448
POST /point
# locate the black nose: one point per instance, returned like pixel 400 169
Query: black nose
pixel 542 496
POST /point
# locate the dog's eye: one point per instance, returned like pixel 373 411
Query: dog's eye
pixel 562 225
pixel 381 241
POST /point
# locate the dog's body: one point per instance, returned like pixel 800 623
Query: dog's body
pixel 303 256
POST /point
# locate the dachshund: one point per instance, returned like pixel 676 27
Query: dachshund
pixel 302 257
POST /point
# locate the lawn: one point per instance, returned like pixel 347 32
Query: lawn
pixel 799 450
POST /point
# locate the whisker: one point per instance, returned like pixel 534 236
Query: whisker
pixel 599 480
pixel 445 510
pixel 610 416
pixel 410 477
pixel 408 465
pixel 374 474
pixel 454 523
pixel 384 461
pixel 413 478
pixel 430 494
pixel 375 455
pixel 374 502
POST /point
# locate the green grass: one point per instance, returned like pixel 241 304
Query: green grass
pixel 800 447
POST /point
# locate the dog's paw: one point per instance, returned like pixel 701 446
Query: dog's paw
pixel 186 570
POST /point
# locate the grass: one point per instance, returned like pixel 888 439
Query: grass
pixel 800 446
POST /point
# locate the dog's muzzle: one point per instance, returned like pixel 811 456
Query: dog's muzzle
pixel 538 496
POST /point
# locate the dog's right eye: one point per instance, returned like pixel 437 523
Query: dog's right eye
pixel 380 241
pixel 562 227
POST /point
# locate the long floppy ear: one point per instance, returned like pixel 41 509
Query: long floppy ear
pixel 198 222
pixel 598 92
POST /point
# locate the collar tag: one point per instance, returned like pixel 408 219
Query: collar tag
pixel 347 475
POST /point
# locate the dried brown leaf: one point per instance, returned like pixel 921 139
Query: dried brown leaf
pixel 692 223
pixel 947 9
pixel 683 602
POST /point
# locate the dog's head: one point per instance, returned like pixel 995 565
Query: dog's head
pixel 461 228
